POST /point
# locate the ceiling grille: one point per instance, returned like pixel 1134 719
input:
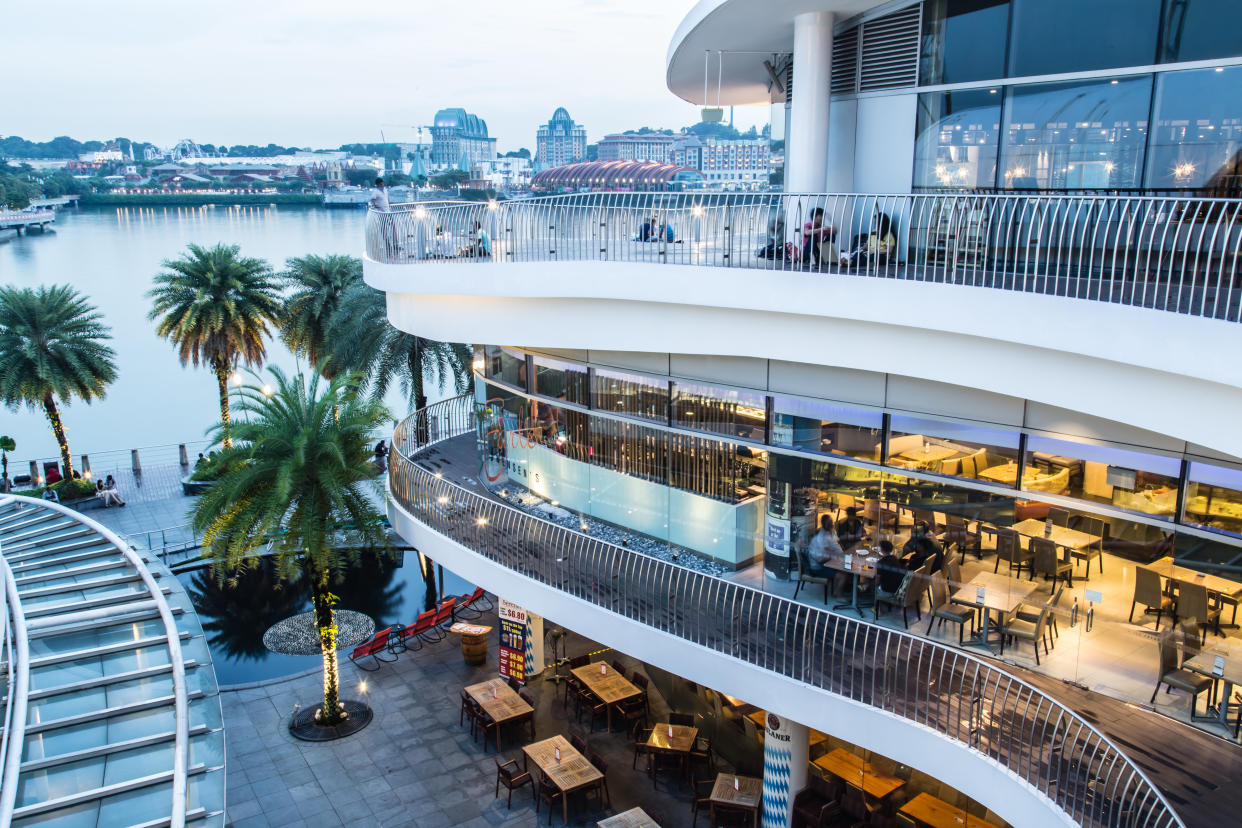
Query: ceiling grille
pixel 845 62
pixel 890 51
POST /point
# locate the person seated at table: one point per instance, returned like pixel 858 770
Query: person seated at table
pixel 851 530
pixel 889 569
pixel 823 547
pixel 921 546
pixel 874 247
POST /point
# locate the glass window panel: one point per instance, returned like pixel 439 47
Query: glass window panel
pixel 561 380
pixel 722 410
pixel 961 450
pixel 632 394
pixel 102 637
pixel 1214 498
pixel 825 428
pixel 1126 479
pixel 1193 30
pixel 1053 36
pixel 963 40
pixel 1082 135
pixel 958 134
pixel 1197 137
pixel 89 668
pixel 142 805
pixel 506 365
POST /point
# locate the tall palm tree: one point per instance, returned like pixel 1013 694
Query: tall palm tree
pixel 53 346
pixel 317 283
pixel 360 336
pixel 215 306
pixel 297 478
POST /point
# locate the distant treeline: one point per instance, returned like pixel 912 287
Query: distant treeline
pixel 195 199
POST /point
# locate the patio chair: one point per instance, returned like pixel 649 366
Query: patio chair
pixel 472 605
pixel 600 789
pixel 618 666
pixel 641 682
pixel 1149 592
pixel 816 806
pixel 701 799
pixel 957 533
pixel 507 774
pixel 548 793
pixel 1092 526
pixel 444 614
pixel 422 630
pixel 641 748
pixel 805 576
pixel 1178 678
pixel 374 648
pixel 701 754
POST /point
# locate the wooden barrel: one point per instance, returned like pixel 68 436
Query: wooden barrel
pixel 474 648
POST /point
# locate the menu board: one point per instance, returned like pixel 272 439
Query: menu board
pixel 512 641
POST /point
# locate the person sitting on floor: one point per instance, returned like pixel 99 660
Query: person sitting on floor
pixel 872 248
pixel 50 494
pixel 112 495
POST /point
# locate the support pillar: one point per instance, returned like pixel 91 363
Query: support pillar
pixel 786 754
pixel 534 645
pixel 806 145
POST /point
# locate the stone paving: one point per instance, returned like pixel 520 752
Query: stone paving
pixel 414 764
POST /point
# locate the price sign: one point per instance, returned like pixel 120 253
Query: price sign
pixel 980 595
pixel 1218 666
pixel 512 641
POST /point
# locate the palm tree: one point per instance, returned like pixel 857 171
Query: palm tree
pixel 7 444
pixel 215 306
pixel 299 472
pixel 317 283
pixel 53 346
pixel 360 337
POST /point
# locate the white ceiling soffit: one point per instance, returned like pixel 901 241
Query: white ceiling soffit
pixel 760 27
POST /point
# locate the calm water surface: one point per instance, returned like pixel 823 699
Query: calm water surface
pixel 111 256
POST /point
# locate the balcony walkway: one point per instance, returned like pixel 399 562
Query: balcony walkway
pixel 1195 769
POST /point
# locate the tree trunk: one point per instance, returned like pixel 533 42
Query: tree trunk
pixel 222 383
pixel 420 398
pixel 325 621
pixel 58 430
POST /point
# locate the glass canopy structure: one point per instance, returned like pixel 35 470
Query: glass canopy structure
pixel 112 715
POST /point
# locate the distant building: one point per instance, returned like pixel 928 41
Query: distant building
pixel 560 141
pixel 740 162
pixel 616 176
pixel 100 156
pixel 458 137
pixel 633 147
pixel 510 173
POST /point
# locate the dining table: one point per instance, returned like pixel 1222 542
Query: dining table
pixel 1221 660
pixel 633 818
pixel 1000 593
pixel 934 812
pixel 929 453
pixel 859 564
pixel 502 704
pixel 1226 588
pixel 1060 535
pixel 674 740
pixel 563 766
pixel 760 717
pixel 609 685
pixel 740 792
pixel 859 773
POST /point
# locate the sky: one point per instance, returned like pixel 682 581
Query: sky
pixel 321 73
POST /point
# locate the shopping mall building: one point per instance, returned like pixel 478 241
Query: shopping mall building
pixel 999 296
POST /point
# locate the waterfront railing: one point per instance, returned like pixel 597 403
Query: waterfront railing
pixel 1036 738
pixel 1160 252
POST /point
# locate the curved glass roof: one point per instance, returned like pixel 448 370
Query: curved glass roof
pixel 613 175
pixel 122 721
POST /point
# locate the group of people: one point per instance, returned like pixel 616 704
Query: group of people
pixel 105 490
pixel 832 542
pixel 819 242
pixel 653 230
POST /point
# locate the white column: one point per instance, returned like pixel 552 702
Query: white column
pixel 534 645
pixel 806 144
pixel 786 754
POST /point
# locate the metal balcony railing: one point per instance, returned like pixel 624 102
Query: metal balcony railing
pixel 1037 739
pixel 1165 253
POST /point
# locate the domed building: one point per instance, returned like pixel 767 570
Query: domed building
pixel 616 176
pixel 458 137
pixel 560 141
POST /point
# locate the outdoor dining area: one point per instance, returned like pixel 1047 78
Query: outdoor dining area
pixel 1043 587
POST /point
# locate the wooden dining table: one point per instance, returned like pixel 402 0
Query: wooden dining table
pixel 609 685
pixel 748 796
pixel 1229 671
pixel 499 701
pixel 859 773
pixel 1001 593
pixel 572 773
pixel 1167 567
pixel 633 818
pixel 760 717
pixel 936 813
pixel 1060 535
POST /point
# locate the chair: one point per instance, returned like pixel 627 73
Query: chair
pixel 579 744
pixel 1178 678
pixel 945 610
pixel 373 648
pixel 484 724
pixel 816 806
pixel 467 703
pixel 579 661
pixel 641 682
pixel 593 705
pixel 684 719
pixel 1092 526
pixel 701 800
pixel 907 597
pixel 1032 615
pixel 1009 548
pixel 1045 560
pixel 701 754
pixel 601 789
pixel 508 775
pixel 957 532
pixel 1192 604
pixel 1148 592
pixel 423 629
pixel 805 576
pixel 1014 627
pixel 473 605
pixel 548 793
pixel 444 613
pixel 616 665
pixel 641 748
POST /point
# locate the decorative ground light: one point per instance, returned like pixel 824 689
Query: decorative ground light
pixel 299 635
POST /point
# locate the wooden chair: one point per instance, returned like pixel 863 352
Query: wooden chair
pixel 641 748
pixel 579 744
pixel 1013 627
pixel 601 788
pixel 944 609
pixel 700 801
pixel 507 774
pixel 619 667
pixel 701 754
pixel 817 805
pixel 1178 678
pixel 1149 592
pixel 548 793
pixel 1009 548
pixel 684 719
pixel 1046 561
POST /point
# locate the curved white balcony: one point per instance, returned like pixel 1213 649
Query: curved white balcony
pixel 980 729
pixel 1094 304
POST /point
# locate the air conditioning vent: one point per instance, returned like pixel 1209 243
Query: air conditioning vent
pixel 845 62
pixel 890 51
